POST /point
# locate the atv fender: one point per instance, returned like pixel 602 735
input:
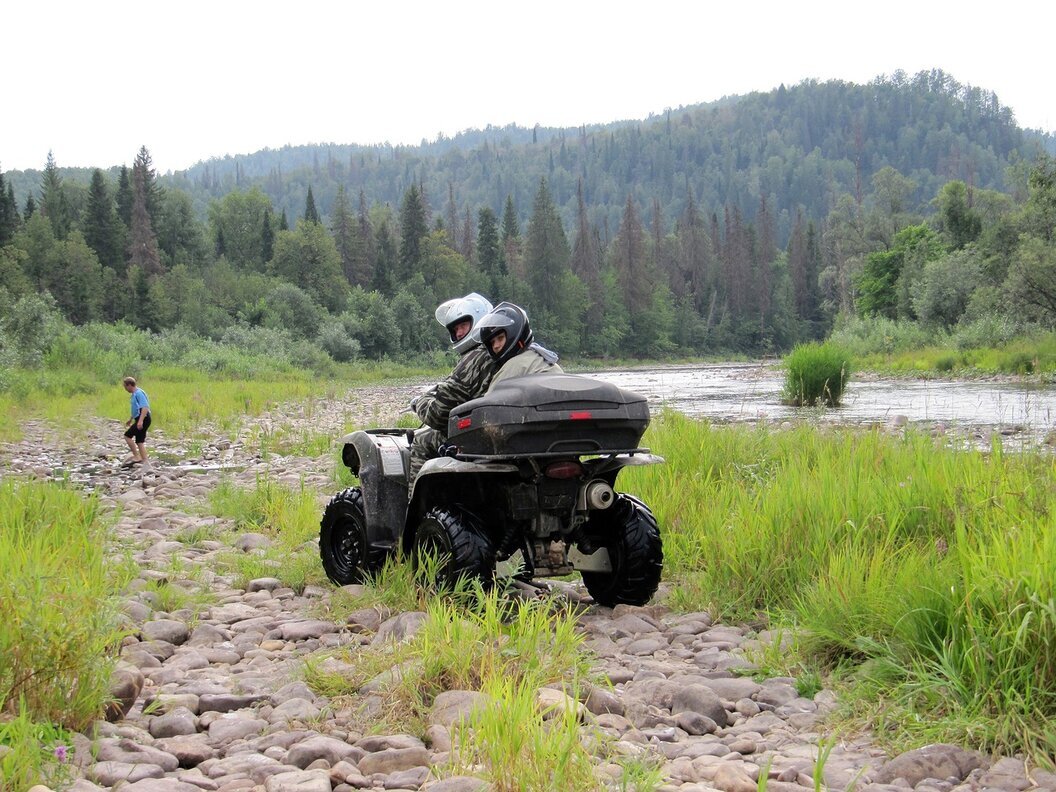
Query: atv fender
pixel 380 459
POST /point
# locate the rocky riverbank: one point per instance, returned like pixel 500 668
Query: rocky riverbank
pixel 214 700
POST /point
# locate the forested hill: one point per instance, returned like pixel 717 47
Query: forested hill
pixel 748 224
pixel 798 147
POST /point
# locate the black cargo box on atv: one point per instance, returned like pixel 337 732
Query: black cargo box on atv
pixel 549 414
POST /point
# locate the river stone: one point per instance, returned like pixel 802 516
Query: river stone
pixel 126 682
pixel 699 699
pixel 320 747
pixel 110 772
pixel 227 702
pixel 459 784
pixel 600 701
pixel 408 779
pixel 232 726
pixel 939 760
pixel 252 541
pixel 695 724
pixel 555 703
pixel 399 628
pixel 126 750
pixel 189 750
pixel 453 706
pixel 161 785
pixel 367 619
pixel 303 630
pixel 299 781
pixel 207 635
pixel 730 688
pixel 393 760
pixel 263 584
pixel 177 721
pixel 296 709
pixel 291 691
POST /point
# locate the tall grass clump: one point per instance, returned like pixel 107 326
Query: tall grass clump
pixel 932 568
pixel 816 374
pixel 59 630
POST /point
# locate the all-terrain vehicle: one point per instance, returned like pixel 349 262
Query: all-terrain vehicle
pixel 528 476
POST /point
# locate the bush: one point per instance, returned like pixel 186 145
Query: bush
pixel 816 373
pixel 877 335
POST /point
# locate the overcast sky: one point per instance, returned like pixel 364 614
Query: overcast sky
pixel 93 81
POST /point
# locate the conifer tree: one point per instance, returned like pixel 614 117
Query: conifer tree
pixel 413 228
pixel 363 265
pixel 488 250
pixel 8 212
pixel 124 197
pixel 152 194
pixel 267 239
pixel 546 251
pixel 343 227
pixel 311 215
pixel 29 209
pixel 630 261
pixel 468 244
pixel 284 224
pixel 53 204
pixel 101 227
pixel 511 239
pixel 143 255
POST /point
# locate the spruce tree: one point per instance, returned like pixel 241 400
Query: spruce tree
pixel 546 251
pixel 143 255
pixel 29 209
pixel 413 227
pixel 284 224
pixel 343 227
pixel 267 239
pixel 488 250
pixel 100 224
pixel 53 203
pixel 152 194
pixel 8 213
pixel 124 197
pixel 311 214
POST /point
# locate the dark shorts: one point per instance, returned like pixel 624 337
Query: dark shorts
pixel 136 432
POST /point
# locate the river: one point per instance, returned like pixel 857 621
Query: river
pixel 749 392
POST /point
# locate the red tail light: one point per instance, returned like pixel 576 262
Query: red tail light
pixel 580 415
pixel 464 423
pixel 563 470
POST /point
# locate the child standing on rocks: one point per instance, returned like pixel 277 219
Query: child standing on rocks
pixel 136 431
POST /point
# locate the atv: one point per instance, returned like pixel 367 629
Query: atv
pixel 526 481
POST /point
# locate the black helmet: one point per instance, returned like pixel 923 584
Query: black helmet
pixel 511 319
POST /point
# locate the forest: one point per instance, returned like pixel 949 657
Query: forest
pixel 742 226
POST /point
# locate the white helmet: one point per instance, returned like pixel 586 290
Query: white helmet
pixel 473 307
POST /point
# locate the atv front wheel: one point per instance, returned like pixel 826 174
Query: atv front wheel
pixel 452 539
pixel 343 538
pixel 628 530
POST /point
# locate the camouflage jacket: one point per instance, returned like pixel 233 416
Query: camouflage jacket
pixel 470 379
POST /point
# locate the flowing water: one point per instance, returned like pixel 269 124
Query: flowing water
pixel 748 392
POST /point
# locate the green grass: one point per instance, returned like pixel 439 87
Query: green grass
pixel 36 753
pixel 816 374
pixel 931 569
pixel 59 624
pixel 506 650
pixel 288 517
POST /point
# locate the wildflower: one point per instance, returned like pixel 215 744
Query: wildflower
pixel 61 753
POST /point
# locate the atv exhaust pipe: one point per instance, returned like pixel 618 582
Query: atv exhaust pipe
pixel 598 495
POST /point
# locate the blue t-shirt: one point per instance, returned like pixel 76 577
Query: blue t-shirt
pixel 139 401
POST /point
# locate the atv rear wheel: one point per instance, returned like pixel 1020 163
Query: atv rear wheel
pixel 453 538
pixel 343 538
pixel 628 530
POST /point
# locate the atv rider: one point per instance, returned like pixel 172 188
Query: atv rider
pixel 469 379
pixel 507 335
